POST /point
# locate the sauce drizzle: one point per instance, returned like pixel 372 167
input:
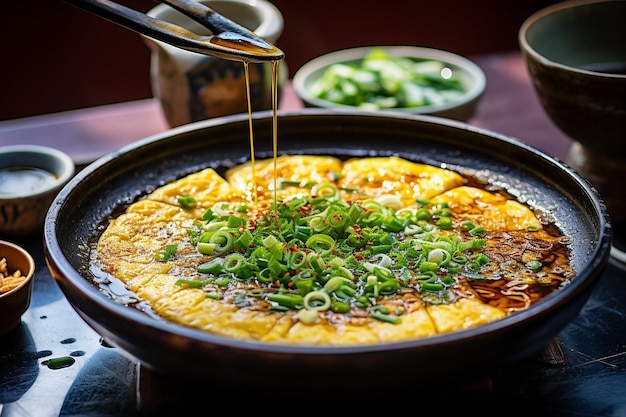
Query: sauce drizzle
pixel 275 65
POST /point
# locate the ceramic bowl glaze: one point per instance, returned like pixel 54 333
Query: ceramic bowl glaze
pixel 576 57
pixel 17 268
pixel 30 178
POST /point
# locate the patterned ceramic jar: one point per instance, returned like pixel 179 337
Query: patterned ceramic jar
pixel 193 87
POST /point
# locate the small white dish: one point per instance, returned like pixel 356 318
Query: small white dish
pixel 30 178
pixel 461 108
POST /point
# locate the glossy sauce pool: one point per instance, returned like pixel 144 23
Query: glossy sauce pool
pixel 17 181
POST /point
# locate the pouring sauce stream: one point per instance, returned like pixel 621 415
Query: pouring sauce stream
pixel 275 65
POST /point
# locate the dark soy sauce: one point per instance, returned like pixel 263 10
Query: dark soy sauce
pixel 274 126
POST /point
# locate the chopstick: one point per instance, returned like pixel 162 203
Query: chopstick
pixel 229 40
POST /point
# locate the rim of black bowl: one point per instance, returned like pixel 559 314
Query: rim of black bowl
pixel 561 7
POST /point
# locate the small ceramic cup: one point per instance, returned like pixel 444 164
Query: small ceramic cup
pixel 193 87
pixel 17 268
pixel 30 178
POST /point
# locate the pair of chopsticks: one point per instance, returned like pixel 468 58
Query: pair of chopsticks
pixel 229 40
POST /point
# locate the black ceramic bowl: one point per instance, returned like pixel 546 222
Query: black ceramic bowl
pixel 575 53
pixel 79 212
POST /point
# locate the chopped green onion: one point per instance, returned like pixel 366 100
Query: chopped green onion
pixel 385 317
pixel 534 265
pixel 287 300
pixel 186 201
pixel 321 253
pixel 317 300
pixel 170 250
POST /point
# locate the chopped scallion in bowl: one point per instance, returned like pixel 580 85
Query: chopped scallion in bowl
pixel 404 78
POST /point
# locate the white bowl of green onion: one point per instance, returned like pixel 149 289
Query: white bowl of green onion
pixel 410 79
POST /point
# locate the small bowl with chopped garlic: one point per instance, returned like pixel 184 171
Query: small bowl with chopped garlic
pixel 17 268
pixel 408 79
pixel 30 178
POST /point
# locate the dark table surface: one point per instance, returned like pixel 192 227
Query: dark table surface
pixel 582 374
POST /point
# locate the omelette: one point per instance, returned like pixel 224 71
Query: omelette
pixel 316 250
